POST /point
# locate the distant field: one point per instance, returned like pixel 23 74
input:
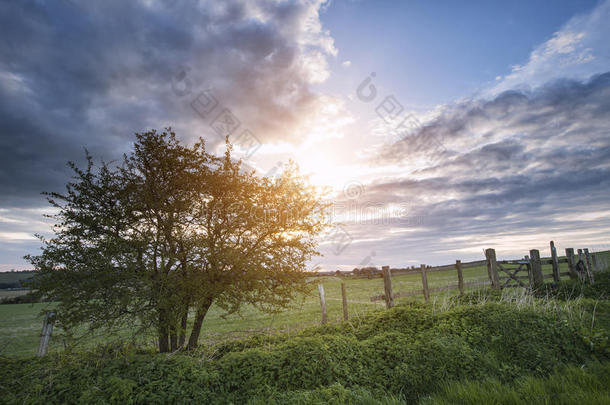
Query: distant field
pixel 12 293
pixel 20 324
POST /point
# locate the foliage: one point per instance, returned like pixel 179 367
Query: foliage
pixel 171 230
pixel 400 354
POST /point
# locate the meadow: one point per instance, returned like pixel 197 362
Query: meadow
pixel 20 324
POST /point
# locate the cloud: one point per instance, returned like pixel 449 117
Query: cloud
pixel 76 75
pixel 578 50
pixel 17 229
pixel 513 171
pixel 560 114
pixel 90 74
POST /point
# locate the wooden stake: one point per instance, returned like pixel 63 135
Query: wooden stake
pixel 555 263
pixel 536 278
pixel 589 266
pixel 571 263
pixel 458 266
pixel 387 286
pixel 45 335
pixel 492 268
pixel 424 282
pixel 344 299
pixel 322 303
pixel 581 266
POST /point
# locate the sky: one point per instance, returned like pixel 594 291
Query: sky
pixel 443 128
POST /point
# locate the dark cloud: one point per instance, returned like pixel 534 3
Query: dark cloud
pixel 76 75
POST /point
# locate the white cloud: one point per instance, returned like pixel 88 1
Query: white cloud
pixel 8 237
pixel 578 50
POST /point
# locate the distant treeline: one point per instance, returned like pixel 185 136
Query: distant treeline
pixel 14 279
pixel 368 272
pixel 13 285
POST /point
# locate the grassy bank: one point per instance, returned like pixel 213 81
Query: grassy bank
pixel 411 353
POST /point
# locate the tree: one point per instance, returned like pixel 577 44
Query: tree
pixel 156 240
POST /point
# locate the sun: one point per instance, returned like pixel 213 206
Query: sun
pixel 323 169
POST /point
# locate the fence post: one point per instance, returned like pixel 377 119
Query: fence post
pixel 344 299
pixel 424 282
pixel 581 266
pixel 536 278
pixel 492 268
pixel 322 303
pixel 589 268
pixel 571 264
pixel 458 266
pixel 594 262
pixel 45 335
pixel 555 263
pixel 387 287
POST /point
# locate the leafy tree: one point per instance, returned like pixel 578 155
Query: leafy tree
pixel 156 240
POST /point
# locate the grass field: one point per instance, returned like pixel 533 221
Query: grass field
pixel 20 324
pixel 11 293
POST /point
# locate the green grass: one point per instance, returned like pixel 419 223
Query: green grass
pixel 20 324
pixel 4 294
pixel 20 328
pixel 568 385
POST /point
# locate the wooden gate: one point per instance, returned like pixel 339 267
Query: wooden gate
pixel 514 273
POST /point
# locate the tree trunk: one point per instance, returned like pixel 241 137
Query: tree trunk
pixel 163 332
pixel 201 312
pixel 173 340
pixel 186 303
pixel 163 340
pixel 183 322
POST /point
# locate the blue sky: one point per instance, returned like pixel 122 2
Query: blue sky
pixel 432 52
pixel 489 127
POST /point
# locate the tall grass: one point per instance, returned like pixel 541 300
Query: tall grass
pixel 569 385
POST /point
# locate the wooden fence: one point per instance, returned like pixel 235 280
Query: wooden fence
pixel 501 273
pixel 581 266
